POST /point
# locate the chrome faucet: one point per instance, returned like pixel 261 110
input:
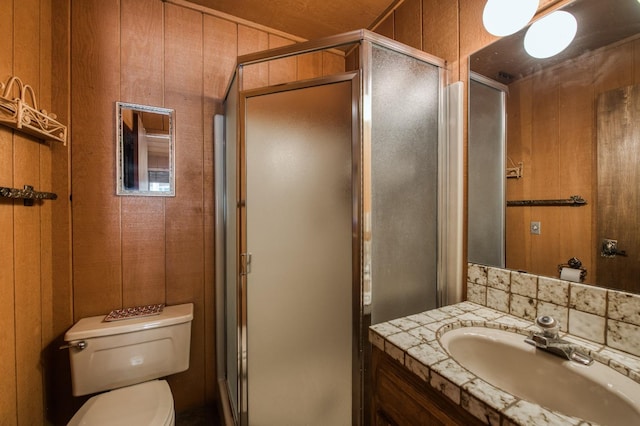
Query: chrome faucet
pixel 548 340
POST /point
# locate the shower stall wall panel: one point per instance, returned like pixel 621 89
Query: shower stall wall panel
pixel 405 95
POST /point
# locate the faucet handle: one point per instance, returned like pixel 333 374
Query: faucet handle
pixel 549 326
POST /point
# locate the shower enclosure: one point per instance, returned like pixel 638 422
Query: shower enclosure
pixel 334 219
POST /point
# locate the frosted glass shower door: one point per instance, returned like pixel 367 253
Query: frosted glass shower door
pixel 299 232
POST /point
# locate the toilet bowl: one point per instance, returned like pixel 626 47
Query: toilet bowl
pixel 126 361
pixel 149 403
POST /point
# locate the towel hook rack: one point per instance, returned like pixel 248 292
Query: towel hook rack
pixel 573 201
pixel 28 194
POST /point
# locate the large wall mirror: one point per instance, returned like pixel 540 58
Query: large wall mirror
pixel 145 150
pixel 573 128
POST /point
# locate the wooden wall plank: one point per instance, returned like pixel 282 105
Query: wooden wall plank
pixel 45 155
pixel 220 52
pixel 387 27
pixel 143 218
pixel 185 212
pixel 442 40
pixel 518 237
pixel 408 23
pixel 7 306
pixel 27 237
pixel 59 402
pixel 615 68
pixel 281 70
pixel 8 402
pixel 618 132
pixel 143 251
pixel 576 151
pixel 61 214
pixel 332 63
pixel 472 34
pixel 251 40
pixel 28 313
pixel 309 65
pixel 95 67
pixel 142 52
pixel 545 175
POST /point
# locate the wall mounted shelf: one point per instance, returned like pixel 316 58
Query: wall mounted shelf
pixel 19 110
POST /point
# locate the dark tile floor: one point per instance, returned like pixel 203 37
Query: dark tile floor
pixel 203 416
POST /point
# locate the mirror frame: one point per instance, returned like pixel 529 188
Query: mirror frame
pixel 120 189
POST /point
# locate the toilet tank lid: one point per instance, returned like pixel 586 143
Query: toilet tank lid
pixel 90 327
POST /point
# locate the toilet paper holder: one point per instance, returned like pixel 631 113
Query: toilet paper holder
pixel 574 263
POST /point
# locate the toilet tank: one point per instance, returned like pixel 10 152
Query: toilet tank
pixel 126 352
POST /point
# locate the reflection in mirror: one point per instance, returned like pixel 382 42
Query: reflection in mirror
pixel 145 154
pixel 572 125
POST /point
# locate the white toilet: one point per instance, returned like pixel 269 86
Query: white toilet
pixel 126 358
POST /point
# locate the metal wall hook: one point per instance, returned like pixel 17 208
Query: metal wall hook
pixel 610 249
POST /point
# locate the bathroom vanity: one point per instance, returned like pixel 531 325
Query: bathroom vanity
pixel 400 397
pixel 417 378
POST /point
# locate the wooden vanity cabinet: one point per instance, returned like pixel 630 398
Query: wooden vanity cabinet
pixel 401 398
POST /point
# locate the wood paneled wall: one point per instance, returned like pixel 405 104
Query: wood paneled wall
pixel 82 57
pixel 138 250
pixel 552 130
pixel 35 290
pixel 429 25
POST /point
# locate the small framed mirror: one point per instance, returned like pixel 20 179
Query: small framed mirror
pixel 145 154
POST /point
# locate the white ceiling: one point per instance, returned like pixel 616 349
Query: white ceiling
pixel 309 19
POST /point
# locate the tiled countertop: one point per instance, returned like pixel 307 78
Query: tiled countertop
pixel 414 342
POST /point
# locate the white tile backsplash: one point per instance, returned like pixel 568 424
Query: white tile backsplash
pixel 623 336
pixel 560 313
pixel 587 326
pixel 593 313
pixel 553 290
pixel 624 307
pixel 477 274
pixel 523 307
pixel 498 300
pixel 498 278
pixel 477 293
pixel 524 284
pixel 588 298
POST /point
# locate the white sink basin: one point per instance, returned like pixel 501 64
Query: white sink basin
pixel 594 393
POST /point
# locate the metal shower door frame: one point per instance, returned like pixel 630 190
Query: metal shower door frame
pixel 353 77
pixel 364 40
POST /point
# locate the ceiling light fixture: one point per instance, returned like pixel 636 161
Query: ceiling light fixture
pixel 550 35
pixel 505 17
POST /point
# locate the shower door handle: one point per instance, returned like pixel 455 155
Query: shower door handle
pixel 245 263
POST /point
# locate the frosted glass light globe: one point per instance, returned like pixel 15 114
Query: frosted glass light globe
pixel 550 35
pixel 505 17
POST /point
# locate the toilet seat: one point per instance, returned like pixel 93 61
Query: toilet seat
pixel 149 403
